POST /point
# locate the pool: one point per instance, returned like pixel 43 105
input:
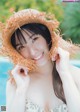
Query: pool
pixel 4 67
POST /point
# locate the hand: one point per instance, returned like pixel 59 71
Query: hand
pixel 21 77
pixel 62 61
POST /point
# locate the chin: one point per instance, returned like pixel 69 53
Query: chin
pixel 43 61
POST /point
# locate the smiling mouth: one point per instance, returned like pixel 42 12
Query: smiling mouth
pixel 39 57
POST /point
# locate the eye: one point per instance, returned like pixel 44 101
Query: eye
pixel 20 48
pixel 34 39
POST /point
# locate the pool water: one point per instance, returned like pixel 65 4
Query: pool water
pixel 4 68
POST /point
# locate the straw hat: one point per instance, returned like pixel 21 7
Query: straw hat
pixel 17 20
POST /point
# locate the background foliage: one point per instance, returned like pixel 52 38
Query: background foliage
pixel 67 13
pixel 8 6
pixel 71 22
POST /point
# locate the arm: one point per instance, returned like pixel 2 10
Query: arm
pixel 17 104
pixel 10 94
pixel 71 91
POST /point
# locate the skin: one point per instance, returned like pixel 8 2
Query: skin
pixel 42 79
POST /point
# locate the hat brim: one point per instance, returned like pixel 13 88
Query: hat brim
pixel 21 18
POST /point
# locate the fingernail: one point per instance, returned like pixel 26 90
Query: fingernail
pixel 21 70
pixel 26 72
pixel 53 59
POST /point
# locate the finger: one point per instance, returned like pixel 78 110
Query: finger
pixel 16 74
pixel 54 57
pixel 22 70
pixel 17 78
pixel 62 53
pixel 25 70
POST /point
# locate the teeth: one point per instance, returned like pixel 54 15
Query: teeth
pixel 38 57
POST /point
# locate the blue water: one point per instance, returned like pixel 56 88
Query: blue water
pixel 4 68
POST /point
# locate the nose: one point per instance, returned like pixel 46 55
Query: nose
pixel 32 51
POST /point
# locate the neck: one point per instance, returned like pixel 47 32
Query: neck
pixel 45 72
pixel 46 69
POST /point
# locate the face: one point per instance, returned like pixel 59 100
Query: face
pixel 35 48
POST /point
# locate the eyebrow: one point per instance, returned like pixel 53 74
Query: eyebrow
pixel 32 35
pixel 30 32
pixel 17 45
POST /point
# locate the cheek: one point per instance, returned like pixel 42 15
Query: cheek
pixel 41 44
pixel 25 54
pixel 42 47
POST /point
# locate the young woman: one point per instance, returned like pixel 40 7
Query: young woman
pixel 54 86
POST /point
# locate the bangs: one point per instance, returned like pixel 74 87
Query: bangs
pixel 19 38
